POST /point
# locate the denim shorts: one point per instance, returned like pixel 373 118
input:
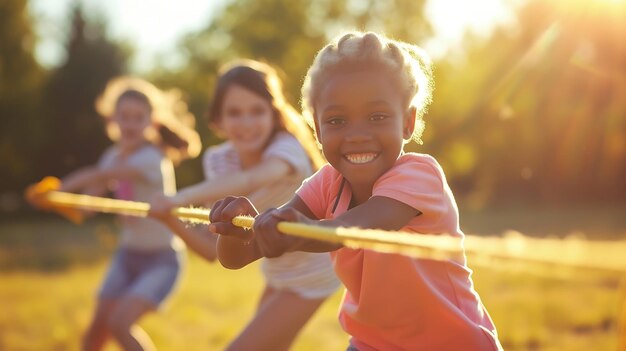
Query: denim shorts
pixel 149 275
pixel 352 348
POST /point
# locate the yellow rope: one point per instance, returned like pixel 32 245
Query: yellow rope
pixel 576 253
pixel 122 207
pixel 418 246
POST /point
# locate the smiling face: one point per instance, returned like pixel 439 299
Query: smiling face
pixel 247 120
pixel 133 117
pixel 361 121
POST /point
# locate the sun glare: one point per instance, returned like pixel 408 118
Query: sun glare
pixel 451 19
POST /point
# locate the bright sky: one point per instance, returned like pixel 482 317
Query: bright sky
pixel 154 26
pixel 452 18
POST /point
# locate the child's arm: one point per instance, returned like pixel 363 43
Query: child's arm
pixel 201 242
pixel 240 183
pixel 376 213
pixel 95 178
pixel 237 250
pixel 211 190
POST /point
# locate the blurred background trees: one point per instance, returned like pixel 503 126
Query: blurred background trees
pixel 20 94
pixel 533 114
pixel 75 134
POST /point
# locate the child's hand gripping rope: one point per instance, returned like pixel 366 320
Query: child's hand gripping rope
pixel 226 220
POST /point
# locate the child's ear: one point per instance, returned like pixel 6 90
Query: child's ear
pixel 408 126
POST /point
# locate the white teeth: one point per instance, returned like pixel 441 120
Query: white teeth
pixel 361 158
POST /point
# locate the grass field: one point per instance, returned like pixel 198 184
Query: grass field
pixel 50 269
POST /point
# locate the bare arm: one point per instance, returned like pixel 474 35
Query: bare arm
pixel 376 213
pixel 93 179
pixel 200 241
pixel 234 252
pixel 240 183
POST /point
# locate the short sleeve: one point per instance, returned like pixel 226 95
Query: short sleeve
pixel 287 148
pixel 220 160
pixel 314 191
pixel 149 162
pixel 207 161
pixel 108 158
pixel 417 181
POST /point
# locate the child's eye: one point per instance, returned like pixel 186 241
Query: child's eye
pixel 232 114
pixel 335 121
pixel 259 110
pixel 378 117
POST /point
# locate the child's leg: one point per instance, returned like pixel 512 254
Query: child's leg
pixel 117 279
pixel 98 331
pixel 159 273
pixel 280 317
pixel 268 292
pixel 122 323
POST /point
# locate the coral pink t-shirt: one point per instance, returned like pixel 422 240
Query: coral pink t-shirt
pixel 393 302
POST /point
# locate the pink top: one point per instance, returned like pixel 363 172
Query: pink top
pixel 393 302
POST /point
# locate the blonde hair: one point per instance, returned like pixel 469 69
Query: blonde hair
pixel 354 51
pixel 263 80
pixel 175 132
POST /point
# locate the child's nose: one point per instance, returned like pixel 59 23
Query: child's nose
pixel 247 119
pixel 358 134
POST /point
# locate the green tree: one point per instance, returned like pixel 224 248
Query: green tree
pixel 20 80
pixel 76 133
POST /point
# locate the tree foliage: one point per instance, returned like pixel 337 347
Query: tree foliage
pixel 20 80
pixel 538 112
pixel 75 132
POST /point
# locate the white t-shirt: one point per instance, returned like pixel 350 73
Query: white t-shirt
pixel 138 233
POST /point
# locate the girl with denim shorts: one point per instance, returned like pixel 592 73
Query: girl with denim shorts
pixel 149 137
